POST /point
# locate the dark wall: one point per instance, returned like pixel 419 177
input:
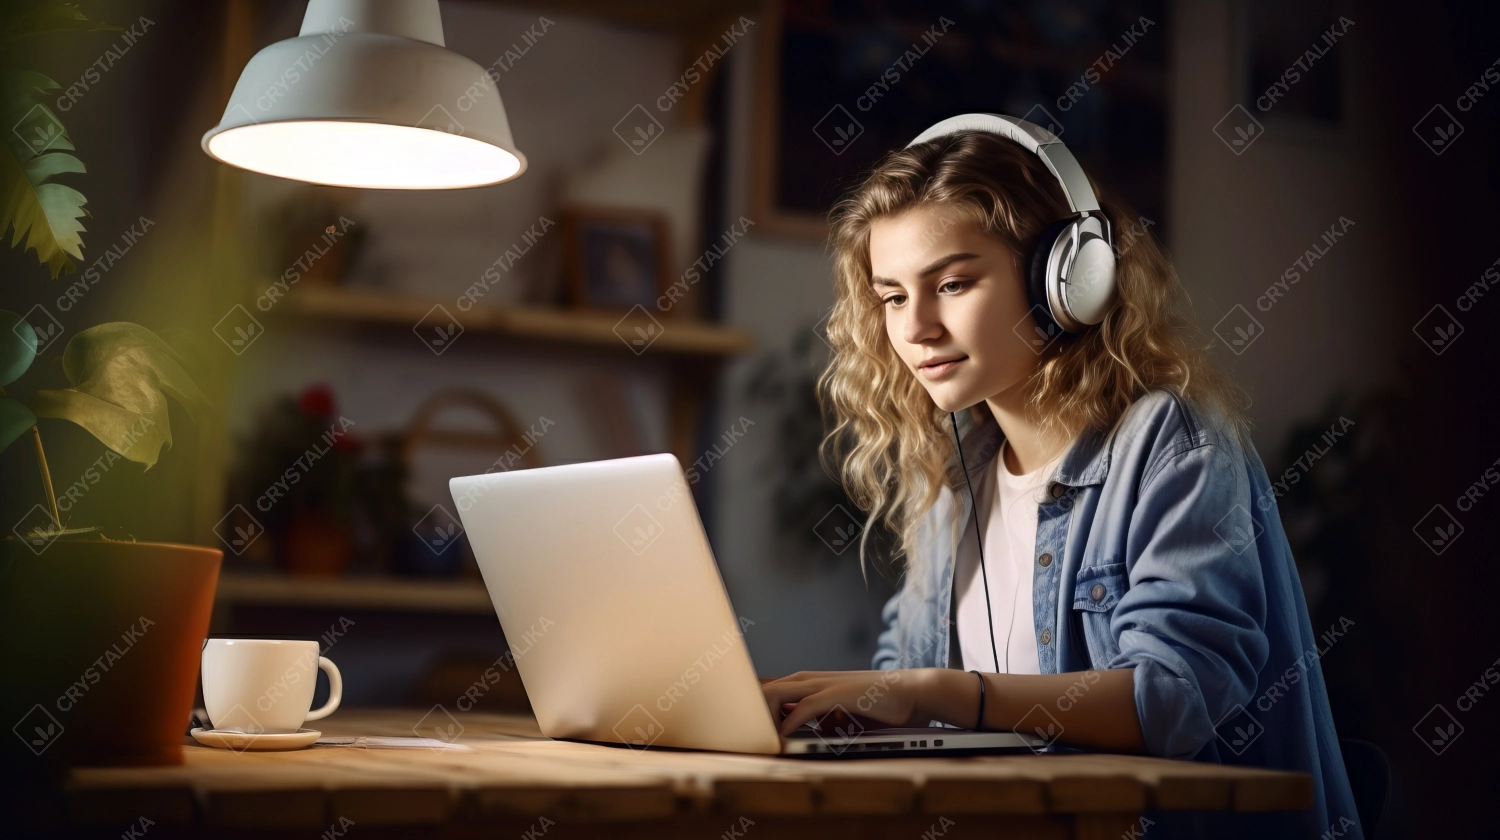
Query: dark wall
pixel 1430 611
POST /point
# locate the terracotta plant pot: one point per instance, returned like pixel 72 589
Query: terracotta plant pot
pixel 100 644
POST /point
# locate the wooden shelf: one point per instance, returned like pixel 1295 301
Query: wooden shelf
pixel 368 593
pixel 593 329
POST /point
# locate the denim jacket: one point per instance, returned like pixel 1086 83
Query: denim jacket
pixel 1159 548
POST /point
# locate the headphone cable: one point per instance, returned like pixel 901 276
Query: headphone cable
pixel 974 504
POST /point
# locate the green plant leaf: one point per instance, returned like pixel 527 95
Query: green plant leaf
pixel 17 347
pixel 15 419
pixel 20 92
pixel 49 16
pixel 122 375
pixel 41 211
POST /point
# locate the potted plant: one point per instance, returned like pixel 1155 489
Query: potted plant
pixel 99 639
pixel 311 523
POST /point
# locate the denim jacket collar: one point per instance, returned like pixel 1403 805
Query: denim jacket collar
pixel 1086 461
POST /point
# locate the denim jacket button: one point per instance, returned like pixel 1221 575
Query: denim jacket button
pixel 1045 559
pixel 1097 593
pixel 1047 636
pixel 1058 490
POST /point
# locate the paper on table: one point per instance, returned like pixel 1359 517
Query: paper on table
pixel 390 743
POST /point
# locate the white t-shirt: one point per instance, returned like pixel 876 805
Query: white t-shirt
pixel 1009 519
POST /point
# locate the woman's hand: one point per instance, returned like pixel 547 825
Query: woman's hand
pixel 888 697
pixel 1096 708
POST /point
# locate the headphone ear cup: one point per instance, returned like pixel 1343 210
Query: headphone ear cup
pixel 1090 288
pixel 1036 277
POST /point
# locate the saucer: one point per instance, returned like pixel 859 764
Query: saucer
pixel 240 741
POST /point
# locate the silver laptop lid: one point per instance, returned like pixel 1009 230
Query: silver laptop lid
pixel 604 582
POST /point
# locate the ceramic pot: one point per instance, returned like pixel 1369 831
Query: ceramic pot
pixel 100 643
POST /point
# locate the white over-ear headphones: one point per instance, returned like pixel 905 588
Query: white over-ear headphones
pixel 1071 269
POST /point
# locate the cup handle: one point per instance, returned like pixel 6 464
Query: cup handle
pixel 335 690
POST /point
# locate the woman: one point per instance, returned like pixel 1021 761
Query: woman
pixel 1133 589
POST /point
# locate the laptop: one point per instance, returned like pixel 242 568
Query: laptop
pixel 620 626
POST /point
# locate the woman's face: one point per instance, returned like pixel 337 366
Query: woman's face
pixel 953 300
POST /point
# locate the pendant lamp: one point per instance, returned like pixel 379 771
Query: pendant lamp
pixel 367 96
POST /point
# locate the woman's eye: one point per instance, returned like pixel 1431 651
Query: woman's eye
pixel 951 286
pixel 896 299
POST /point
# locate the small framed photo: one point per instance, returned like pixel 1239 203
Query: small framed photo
pixel 615 258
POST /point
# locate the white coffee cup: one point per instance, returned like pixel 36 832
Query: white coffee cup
pixel 265 686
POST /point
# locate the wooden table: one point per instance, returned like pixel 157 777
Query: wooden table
pixel 514 781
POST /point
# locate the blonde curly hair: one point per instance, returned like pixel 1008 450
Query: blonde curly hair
pixel 889 444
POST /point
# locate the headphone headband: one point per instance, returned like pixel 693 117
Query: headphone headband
pixel 1037 140
pixel 1070 276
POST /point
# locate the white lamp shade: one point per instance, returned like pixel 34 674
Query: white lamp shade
pixel 367 96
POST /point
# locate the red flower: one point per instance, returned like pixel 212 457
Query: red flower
pixel 316 401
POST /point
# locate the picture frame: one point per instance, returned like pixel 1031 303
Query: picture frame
pixel 615 258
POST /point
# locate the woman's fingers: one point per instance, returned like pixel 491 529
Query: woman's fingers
pixel 780 708
pixel 784 695
pixel 789 690
pixel 808 709
pixel 781 692
pixel 880 696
